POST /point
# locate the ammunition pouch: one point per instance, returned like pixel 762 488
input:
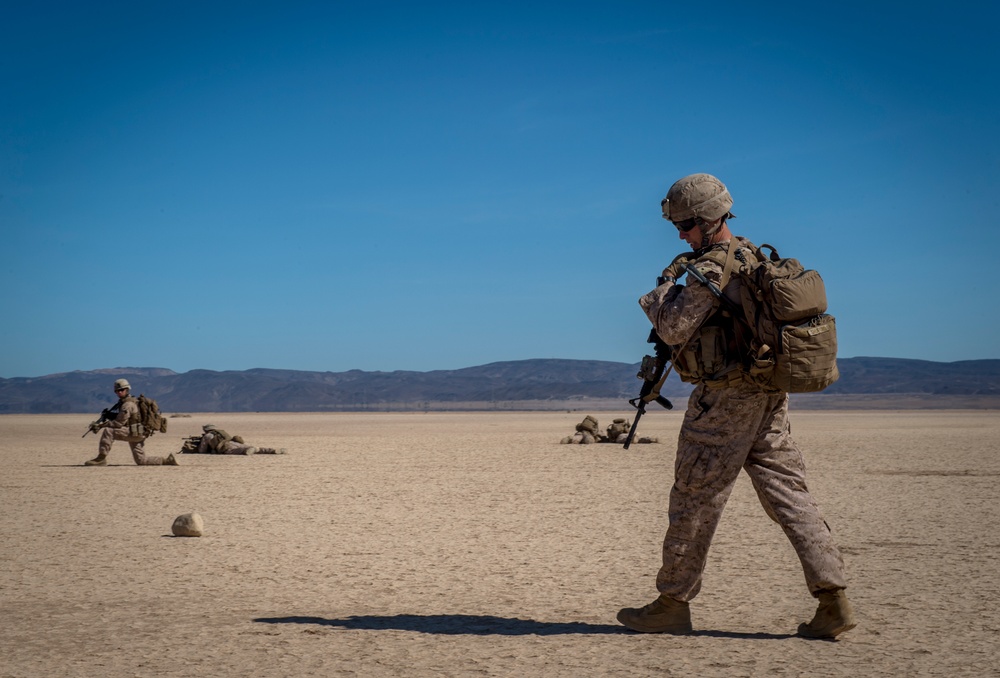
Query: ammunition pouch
pixel 705 357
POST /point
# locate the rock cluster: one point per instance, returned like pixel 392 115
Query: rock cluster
pixel 588 431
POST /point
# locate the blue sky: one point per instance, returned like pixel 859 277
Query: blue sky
pixel 421 185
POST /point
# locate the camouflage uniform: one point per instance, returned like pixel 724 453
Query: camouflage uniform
pixel 217 441
pixel 729 425
pixel 618 430
pixel 118 429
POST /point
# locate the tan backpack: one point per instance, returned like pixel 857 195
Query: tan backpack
pixel 788 340
pixel 589 424
pixel 149 416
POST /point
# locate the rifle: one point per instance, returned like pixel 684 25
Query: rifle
pixel 97 422
pixel 716 292
pixel 190 444
pixel 651 371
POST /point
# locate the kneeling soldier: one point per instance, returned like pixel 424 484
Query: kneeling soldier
pixel 121 422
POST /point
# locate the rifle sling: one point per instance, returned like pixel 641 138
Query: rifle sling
pixel 654 393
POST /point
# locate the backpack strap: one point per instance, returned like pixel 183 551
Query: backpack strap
pixel 774 256
pixel 741 327
pixel 727 268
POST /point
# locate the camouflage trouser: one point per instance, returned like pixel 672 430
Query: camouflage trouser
pixel 109 435
pixel 228 447
pixel 725 430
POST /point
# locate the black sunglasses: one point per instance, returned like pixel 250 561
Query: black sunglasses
pixel 688 224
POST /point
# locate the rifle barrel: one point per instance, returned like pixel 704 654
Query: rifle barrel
pixel 640 410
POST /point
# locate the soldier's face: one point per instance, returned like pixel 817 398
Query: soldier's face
pixel 121 392
pixel 692 237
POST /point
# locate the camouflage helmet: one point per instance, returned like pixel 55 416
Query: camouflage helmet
pixel 122 383
pixel 697 195
pixel 209 427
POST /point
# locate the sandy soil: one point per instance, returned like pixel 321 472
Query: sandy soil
pixel 475 545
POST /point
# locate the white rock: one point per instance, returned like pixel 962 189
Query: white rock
pixel 188 525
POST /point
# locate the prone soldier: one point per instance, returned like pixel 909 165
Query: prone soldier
pixel 215 440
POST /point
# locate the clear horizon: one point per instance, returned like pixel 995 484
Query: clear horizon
pixel 125 368
pixel 327 187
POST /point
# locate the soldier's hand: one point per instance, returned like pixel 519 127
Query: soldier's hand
pixel 95 427
pixel 676 268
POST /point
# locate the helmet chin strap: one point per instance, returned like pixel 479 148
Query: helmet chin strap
pixel 709 231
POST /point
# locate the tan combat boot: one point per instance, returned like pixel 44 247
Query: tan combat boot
pixel 250 450
pixel 663 615
pixel 833 616
pixel 99 460
pixel 171 460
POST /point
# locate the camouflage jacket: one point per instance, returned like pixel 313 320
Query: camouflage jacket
pixel 688 318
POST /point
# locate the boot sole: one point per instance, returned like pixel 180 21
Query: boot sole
pixel 804 632
pixel 636 625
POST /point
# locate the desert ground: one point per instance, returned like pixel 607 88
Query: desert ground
pixel 474 544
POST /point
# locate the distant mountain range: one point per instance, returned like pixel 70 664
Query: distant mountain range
pixel 527 384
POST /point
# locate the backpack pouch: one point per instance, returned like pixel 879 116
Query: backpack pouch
pixel 807 359
pixel 798 296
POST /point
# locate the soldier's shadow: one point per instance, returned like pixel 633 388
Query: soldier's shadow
pixel 82 465
pixel 482 625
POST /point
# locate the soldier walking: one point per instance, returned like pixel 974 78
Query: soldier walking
pixel 730 424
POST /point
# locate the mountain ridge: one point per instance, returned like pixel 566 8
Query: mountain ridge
pixel 543 382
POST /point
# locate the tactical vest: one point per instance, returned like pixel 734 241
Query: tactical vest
pixel 714 354
pixel 133 417
pixel 134 423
